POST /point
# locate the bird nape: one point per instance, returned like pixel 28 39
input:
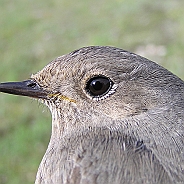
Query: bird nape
pixel 116 118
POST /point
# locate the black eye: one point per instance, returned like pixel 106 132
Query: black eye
pixel 98 86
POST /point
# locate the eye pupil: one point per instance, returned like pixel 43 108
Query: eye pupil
pixel 98 86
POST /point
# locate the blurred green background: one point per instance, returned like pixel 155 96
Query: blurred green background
pixel 32 33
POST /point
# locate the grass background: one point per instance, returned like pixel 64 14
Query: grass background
pixel 32 33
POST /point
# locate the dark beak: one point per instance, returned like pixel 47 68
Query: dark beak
pixel 25 88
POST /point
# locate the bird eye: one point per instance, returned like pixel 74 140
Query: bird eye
pixel 98 86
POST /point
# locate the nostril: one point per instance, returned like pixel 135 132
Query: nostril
pixel 32 85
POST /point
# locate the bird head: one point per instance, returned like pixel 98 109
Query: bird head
pixel 100 84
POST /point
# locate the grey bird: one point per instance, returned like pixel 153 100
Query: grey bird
pixel 117 118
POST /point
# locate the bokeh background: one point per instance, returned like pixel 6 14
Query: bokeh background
pixel 33 32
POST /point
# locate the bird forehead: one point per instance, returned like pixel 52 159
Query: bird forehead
pixel 88 62
pixel 68 67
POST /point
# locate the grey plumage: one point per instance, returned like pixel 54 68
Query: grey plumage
pixel 133 133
